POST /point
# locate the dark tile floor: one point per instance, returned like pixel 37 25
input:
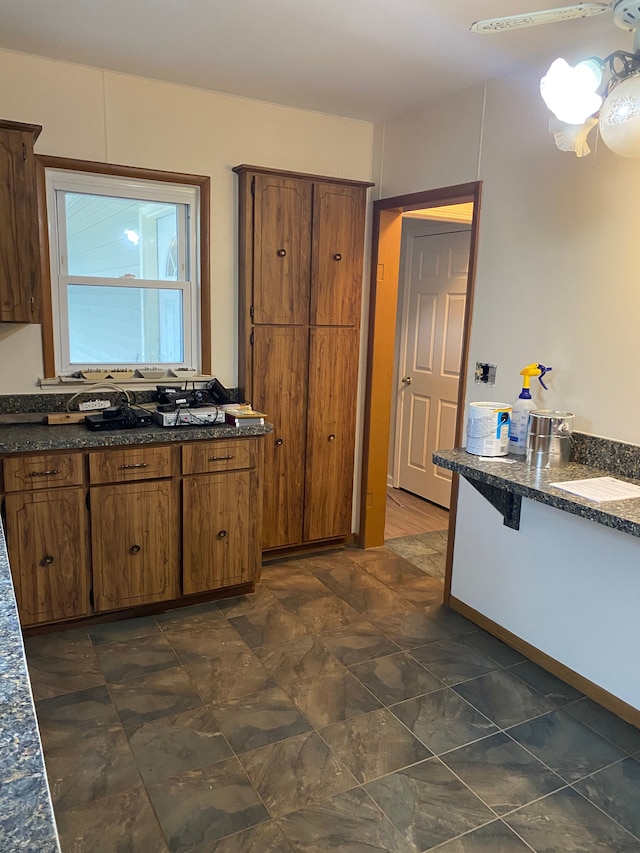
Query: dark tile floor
pixel 340 707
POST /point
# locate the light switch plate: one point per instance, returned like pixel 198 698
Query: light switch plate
pixel 486 373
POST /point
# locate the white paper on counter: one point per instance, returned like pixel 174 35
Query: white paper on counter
pixel 600 489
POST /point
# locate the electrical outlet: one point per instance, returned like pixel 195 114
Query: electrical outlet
pixel 92 405
pixel 486 373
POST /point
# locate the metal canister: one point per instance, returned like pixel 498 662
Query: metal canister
pixel 549 438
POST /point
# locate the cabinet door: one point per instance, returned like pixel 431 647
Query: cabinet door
pixel 280 389
pixel 338 246
pixel 48 553
pixel 135 538
pixel 219 535
pixel 282 250
pixel 19 239
pixel 331 420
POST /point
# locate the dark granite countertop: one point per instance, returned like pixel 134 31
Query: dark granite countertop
pixel 20 438
pixel 26 815
pixel 521 479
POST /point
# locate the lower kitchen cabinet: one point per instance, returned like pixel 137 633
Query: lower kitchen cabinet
pixel 135 544
pixel 47 542
pixel 216 530
pixel 142 525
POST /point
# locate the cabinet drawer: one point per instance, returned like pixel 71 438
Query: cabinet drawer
pixel 133 463
pixel 204 456
pixel 42 471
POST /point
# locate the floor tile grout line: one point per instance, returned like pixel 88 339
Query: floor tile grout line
pixel 633 835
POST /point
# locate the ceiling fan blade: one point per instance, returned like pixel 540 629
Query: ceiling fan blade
pixel 533 19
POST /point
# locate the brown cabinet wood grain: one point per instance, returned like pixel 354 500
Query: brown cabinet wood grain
pixel 203 457
pixel 19 236
pixel 281 249
pixel 48 554
pixel 122 465
pixel 135 544
pixel 333 385
pixel 281 351
pixel 338 231
pixel 123 540
pixel 43 471
pixel 301 366
pixel 219 530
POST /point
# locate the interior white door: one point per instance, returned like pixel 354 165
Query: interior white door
pixel 431 350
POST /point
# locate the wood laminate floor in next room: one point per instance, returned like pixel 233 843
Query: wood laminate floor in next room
pixel 339 708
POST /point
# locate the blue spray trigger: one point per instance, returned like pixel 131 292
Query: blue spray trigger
pixel 544 370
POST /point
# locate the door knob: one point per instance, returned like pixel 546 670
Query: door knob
pixel 406 380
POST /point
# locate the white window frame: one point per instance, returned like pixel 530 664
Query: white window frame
pixel 57 182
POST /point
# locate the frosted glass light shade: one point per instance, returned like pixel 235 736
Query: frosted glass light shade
pixel 620 118
pixel 570 93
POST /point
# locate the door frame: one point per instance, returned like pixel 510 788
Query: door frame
pixel 383 300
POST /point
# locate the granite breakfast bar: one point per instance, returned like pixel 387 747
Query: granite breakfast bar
pixel 551 573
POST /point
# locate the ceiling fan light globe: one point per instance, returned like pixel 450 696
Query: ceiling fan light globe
pixel 570 92
pixel 620 118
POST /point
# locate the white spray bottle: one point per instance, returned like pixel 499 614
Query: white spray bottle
pixel 523 406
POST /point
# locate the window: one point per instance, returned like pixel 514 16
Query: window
pixel 125 270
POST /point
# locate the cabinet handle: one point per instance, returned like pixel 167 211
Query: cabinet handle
pixel 332 437
pixel 337 256
pixel 279 442
pixel 134 549
pixel 135 465
pixel 221 458
pixel 46 561
pixel 51 473
pixel 281 253
pixel 222 534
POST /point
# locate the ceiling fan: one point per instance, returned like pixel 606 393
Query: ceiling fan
pixel 626 15
pixel 572 93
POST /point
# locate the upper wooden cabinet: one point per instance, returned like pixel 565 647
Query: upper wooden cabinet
pixel 338 237
pixel 282 249
pixel 19 237
pixel 301 244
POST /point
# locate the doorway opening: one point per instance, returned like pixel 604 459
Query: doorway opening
pixel 383 366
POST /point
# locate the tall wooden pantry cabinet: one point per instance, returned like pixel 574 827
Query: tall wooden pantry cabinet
pixel 301 246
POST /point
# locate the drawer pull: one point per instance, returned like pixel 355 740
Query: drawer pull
pixel 134 549
pixel 221 458
pixel 279 442
pixel 337 256
pixel 332 437
pixel 222 534
pixel 281 253
pixel 46 561
pixel 135 465
pixel 51 473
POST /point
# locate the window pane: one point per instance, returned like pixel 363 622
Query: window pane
pixel 124 325
pixel 120 237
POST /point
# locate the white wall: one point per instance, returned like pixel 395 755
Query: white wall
pixel 555 584
pixel 558 281
pixel 92 114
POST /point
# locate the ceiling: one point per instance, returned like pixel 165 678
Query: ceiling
pixel 365 59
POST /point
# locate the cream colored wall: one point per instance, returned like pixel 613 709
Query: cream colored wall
pixel 99 115
pixel 557 276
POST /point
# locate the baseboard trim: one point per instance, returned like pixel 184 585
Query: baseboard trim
pixel 593 691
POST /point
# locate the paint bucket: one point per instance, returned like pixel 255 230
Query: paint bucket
pixel 549 438
pixel 488 429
